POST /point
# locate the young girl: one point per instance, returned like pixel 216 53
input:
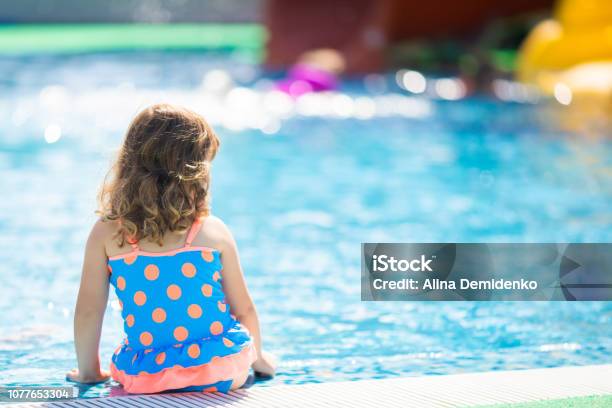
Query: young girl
pixel 174 267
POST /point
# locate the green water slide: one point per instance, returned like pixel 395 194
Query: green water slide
pixel 79 38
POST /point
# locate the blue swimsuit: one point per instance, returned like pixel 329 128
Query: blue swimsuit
pixel 179 330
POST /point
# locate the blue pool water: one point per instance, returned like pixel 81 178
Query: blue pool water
pixel 301 185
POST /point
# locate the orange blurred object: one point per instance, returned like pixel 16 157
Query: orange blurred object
pixel 361 30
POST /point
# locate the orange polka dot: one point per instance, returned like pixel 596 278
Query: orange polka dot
pixel 227 342
pixel 193 351
pixel 151 272
pixel 129 320
pixel 173 292
pixel 121 283
pixel 160 358
pixel 206 290
pixel 120 305
pixel 194 311
pixel 140 298
pixel 207 256
pixel 216 328
pixel 210 389
pixel 216 276
pixel 146 338
pixel 130 259
pixel 222 306
pixel 147 351
pixel 180 333
pixel 188 270
pixel 159 315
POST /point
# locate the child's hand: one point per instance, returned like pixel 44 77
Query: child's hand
pixel 265 366
pixel 74 375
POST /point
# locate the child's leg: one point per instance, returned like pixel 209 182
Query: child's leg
pixel 239 380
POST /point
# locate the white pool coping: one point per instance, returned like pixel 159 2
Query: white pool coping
pixel 458 390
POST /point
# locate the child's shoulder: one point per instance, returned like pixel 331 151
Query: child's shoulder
pixel 104 229
pixel 214 233
pixel 104 232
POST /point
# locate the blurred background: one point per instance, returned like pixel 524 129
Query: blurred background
pixel 341 122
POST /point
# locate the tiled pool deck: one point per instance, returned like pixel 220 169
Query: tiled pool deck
pixel 459 390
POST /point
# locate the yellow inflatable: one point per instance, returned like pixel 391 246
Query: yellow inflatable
pixel 572 50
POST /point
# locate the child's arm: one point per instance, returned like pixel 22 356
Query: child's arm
pixel 240 301
pixel 90 307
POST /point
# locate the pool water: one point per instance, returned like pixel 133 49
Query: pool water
pixel 301 186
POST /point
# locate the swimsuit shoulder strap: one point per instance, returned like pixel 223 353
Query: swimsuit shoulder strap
pixel 193 231
pixel 133 243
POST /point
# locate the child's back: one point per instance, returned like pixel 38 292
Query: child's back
pixel 178 324
pixel 175 268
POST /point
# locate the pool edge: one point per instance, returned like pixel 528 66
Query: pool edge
pixel 455 390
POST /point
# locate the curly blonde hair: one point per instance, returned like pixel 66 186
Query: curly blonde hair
pixel 161 178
